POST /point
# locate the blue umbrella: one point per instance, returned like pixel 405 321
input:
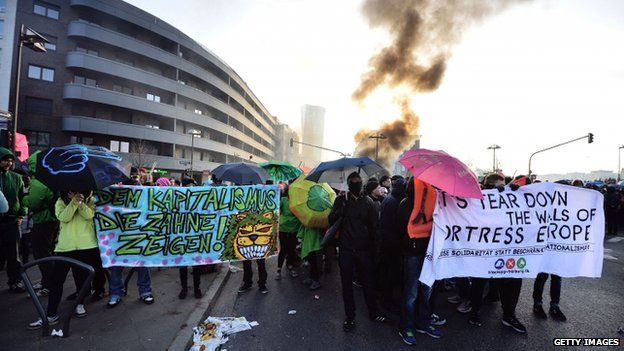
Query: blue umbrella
pixel 336 171
pixel 241 173
pixel 79 168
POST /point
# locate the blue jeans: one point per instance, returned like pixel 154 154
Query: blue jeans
pixel 116 286
pixel 415 305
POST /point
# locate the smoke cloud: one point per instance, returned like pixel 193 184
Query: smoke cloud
pixel 422 34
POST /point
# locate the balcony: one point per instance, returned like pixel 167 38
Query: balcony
pixel 172 163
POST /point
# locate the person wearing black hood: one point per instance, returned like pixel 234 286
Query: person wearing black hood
pixel 371 189
pixel 357 217
pixel 389 237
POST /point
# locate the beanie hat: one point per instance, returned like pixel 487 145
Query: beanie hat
pixel 163 181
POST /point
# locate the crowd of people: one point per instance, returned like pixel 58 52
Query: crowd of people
pixel 382 228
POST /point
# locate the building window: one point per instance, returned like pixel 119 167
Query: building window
pixel 45 9
pixel 153 97
pixel 119 146
pixel 41 73
pixel 199 112
pixel 81 140
pixel 122 89
pixel 85 81
pixel 87 51
pixel 152 126
pixel 38 106
pixel 51 45
pixel 39 139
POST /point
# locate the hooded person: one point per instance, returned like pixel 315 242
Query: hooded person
pixel 41 201
pixel 356 242
pixel 12 187
pixel 389 245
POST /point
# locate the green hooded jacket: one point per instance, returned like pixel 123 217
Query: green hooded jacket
pixel 12 187
pixel 40 199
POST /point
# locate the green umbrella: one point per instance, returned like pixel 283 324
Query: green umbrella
pixel 280 171
pixel 311 202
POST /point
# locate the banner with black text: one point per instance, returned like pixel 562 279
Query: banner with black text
pixel 545 227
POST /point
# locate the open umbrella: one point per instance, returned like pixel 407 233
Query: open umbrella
pixel 241 173
pixel 311 202
pixel 79 168
pixel 280 171
pixel 336 171
pixel 442 171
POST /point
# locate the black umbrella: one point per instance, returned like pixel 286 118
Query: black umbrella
pixel 241 173
pixel 79 168
pixel 337 170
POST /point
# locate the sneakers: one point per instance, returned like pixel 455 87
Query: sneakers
pixel 182 294
pixel 455 299
pixel 380 318
pixel 358 284
pixel 430 330
pixel 17 288
pixel 37 286
pixel 475 319
pixel 38 324
pixel 538 311
pixel 348 325
pixel 307 281
pixel 293 273
pixel 80 311
pixel 244 288
pixel 514 323
pixel 408 337
pixel 197 293
pixel 147 299
pixel 315 285
pixel 263 289
pixel 437 320
pixel 113 301
pixel 278 276
pixel 556 313
pixel 43 292
pixel 464 307
pixel 97 295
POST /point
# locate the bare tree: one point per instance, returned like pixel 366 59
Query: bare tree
pixel 140 154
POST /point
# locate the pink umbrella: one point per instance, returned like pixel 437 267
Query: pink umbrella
pixel 442 171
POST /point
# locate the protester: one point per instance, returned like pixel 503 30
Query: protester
pixel 289 226
pixel 77 240
pixel 196 270
pixel 41 201
pixel 509 288
pixel 389 238
pixel 612 206
pixel 371 189
pixel 248 272
pixel 311 252
pixel 12 187
pixel 356 244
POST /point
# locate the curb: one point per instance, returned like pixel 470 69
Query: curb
pixel 184 338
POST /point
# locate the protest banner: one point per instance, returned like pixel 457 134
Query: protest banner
pixel 186 226
pixel 545 227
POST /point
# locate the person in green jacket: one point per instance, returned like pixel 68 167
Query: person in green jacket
pixel 41 201
pixel 310 251
pixel 76 240
pixel 12 188
pixel 288 228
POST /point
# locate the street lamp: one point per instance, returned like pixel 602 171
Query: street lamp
pixel 589 136
pixel 377 137
pixel 194 134
pixel 619 165
pixel 494 147
pixel 34 41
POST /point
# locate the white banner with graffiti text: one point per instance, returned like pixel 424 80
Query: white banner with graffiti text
pixel 545 227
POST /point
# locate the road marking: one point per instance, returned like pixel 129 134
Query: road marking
pixel 610 258
pixel 616 239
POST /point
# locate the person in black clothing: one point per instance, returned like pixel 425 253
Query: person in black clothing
pixel 356 242
pixel 196 270
pixel 389 237
pixel 612 205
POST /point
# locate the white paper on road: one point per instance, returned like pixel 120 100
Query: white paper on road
pixel 214 331
pixel 546 227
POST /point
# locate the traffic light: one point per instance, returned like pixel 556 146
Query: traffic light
pixel 291 142
pixel 590 138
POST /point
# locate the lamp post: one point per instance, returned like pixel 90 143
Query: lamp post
pixel 619 164
pixel 494 147
pixel 34 41
pixel 194 133
pixel 377 137
pixel 589 136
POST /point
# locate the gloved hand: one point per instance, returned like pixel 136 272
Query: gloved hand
pixel 500 188
pixel 514 186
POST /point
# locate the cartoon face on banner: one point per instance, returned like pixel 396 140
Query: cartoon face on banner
pixel 250 236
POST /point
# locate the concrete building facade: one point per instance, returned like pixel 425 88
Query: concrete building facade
pixel 116 76
pixel 312 132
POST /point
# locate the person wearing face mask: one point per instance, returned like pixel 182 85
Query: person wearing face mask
pixel 356 243
pixel 508 288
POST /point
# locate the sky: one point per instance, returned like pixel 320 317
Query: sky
pixel 538 74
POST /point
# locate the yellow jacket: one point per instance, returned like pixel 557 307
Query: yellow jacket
pixel 77 229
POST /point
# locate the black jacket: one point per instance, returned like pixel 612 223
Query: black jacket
pixel 359 220
pixel 389 234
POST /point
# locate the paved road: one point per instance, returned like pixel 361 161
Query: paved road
pixel 129 326
pixel 594 308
